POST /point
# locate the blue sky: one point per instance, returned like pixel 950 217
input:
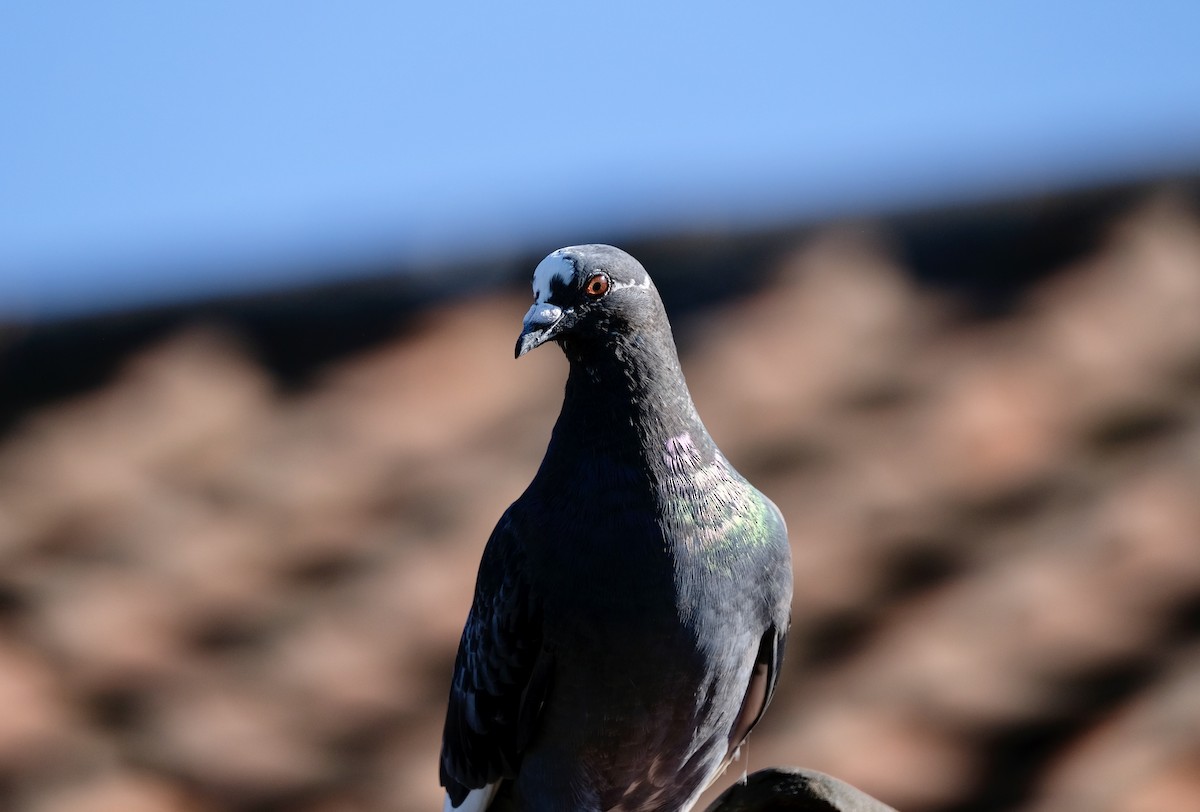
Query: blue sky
pixel 157 151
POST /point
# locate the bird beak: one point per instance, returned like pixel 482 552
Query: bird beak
pixel 542 323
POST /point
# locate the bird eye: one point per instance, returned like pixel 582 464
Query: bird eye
pixel 596 286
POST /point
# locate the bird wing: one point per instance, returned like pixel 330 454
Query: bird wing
pixel 765 675
pixel 761 688
pixel 500 674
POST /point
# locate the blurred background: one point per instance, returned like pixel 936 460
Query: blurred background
pixel 934 270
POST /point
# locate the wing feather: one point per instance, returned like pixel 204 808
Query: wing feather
pixel 499 673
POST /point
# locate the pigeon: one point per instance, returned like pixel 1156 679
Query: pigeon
pixel 791 789
pixel 631 606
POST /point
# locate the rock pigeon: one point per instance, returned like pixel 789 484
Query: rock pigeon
pixel 791 789
pixel 631 606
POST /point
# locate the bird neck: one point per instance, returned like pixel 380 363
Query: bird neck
pixel 630 397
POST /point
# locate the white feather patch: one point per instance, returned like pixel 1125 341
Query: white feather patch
pixel 477 800
pixel 644 284
pixel 555 266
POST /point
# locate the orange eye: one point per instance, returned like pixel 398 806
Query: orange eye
pixel 597 286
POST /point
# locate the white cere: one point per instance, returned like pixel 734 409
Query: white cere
pixel 558 266
pixel 555 266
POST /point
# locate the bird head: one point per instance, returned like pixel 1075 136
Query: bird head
pixel 588 294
